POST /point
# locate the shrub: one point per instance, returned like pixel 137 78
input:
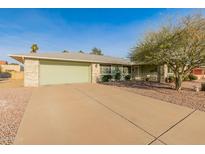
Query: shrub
pixel 186 78
pixel 170 79
pixel 5 75
pixel 117 76
pixel 127 77
pixel 192 77
pixel 106 78
pixel 147 78
pixel 203 86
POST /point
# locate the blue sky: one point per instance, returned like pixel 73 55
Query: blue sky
pixel 115 31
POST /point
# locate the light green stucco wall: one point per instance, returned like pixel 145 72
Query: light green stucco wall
pixel 58 72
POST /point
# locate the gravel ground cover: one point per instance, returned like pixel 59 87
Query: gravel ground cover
pixel 186 97
pixel 13 102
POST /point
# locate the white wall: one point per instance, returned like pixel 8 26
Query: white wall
pixel 31 73
pixel 9 67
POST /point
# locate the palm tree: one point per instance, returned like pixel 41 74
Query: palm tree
pixel 34 48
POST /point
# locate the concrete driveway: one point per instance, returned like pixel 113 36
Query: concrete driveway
pixel 99 114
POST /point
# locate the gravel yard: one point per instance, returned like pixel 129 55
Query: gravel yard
pixel 186 97
pixel 13 102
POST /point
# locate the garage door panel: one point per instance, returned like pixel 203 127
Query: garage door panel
pixel 64 72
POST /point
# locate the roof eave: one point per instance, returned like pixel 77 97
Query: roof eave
pixel 21 58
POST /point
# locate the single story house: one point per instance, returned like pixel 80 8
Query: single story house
pixel 61 68
pixel 12 68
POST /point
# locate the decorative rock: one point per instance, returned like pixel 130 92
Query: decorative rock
pixel 13 102
pixel 196 88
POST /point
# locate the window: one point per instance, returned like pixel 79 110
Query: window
pixel 115 69
pixel 105 69
pixel 126 69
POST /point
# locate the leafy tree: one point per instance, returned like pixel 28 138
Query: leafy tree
pixel 80 51
pixel 34 48
pixel 14 64
pixel 96 51
pixel 180 45
pixel 65 51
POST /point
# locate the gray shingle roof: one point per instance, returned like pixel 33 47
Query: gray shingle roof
pixel 72 56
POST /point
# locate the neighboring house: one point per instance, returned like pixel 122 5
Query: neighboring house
pixel 199 72
pixel 4 67
pixel 15 70
pixel 3 62
pixel 10 68
pixel 61 68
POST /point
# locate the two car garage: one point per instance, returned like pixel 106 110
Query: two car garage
pixel 59 72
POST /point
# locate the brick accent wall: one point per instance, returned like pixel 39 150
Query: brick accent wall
pixel 31 73
pixel 95 72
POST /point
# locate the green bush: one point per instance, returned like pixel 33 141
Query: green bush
pixel 127 77
pixel 106 78
pixel 203 86
pixel 170 79
pixel 186 78
pixel 192 77
pixel 118 76
pixel 147 78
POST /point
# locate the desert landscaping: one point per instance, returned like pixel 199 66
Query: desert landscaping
pixel 13 100
pixel 163 91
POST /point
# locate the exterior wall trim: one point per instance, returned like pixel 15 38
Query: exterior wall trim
pixel 67 59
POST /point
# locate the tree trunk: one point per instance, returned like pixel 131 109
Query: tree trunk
pixel 178 82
